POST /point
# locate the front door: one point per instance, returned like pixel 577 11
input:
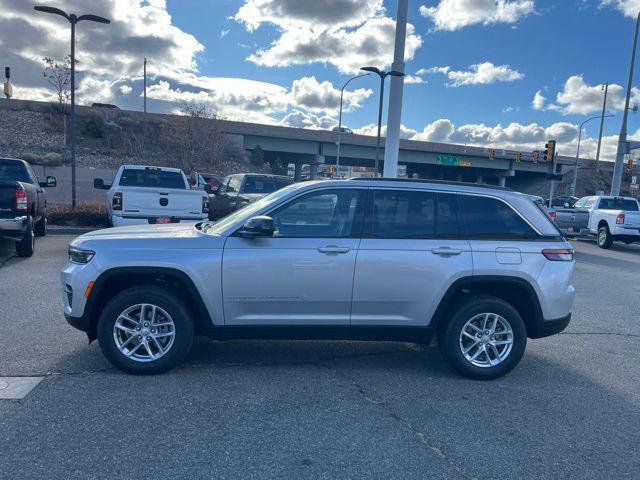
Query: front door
pixel 412 253
pixel 303 275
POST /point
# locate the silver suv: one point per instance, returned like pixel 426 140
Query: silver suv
pixel 483 268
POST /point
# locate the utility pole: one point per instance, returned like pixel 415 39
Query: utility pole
pixel 145 85
pixel 394 115
pixel 604 110
pixel 623 147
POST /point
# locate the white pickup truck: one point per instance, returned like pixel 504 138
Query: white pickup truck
pixel 612 218
pixel 143 195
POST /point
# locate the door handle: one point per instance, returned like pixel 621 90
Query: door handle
pixel 333 250
pixel 446 251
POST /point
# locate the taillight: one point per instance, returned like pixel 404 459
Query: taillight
pixel 116 203
pixel 620 219
pixel 553 215
pixel 21 199
pixel 205 204
pixel 558 255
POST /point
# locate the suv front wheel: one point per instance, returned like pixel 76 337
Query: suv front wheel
pixel 145 330
pixel 484 338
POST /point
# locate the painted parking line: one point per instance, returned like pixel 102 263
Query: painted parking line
pixel 17 388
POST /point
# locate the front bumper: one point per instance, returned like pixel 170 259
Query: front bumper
pixel 79 323
pixel 546 328
pixel 13 227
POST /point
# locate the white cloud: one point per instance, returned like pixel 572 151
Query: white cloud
pixel 414 79
pixel 578 97
pixel 372 131
pixel 456 14
pixel 224 33
pixel 345 33
pixel 479 74
pixel 299 119
pixel 125 89
pixel 629 7
pixel 539 100
pixel 312 95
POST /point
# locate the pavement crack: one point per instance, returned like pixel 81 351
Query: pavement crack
pixel 424 439
pixel 617 334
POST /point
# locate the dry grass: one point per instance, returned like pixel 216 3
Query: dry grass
pixel 85 215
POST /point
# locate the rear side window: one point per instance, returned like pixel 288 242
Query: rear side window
pixel 488 218
pixel 264 184
pixel 618 204
pixel 152 178
pixel 14 171
pixel 406 214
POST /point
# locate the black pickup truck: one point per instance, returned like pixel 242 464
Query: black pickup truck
pixel 23 204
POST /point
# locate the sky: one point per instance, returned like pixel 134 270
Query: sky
pixel 503 73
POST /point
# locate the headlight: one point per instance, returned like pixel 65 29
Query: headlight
pixel 77 255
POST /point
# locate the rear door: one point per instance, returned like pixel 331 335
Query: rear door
pixel 411 253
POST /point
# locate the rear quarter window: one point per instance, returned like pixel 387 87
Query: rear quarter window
pixel 486 218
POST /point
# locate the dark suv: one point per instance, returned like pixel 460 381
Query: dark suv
pixel 242 189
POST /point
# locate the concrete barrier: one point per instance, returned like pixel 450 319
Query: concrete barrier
pixel 61 195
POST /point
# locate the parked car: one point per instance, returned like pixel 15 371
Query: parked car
pixel 207 181
pixel 481 267
pixel 23 204
pixel 563 201
pixel 612 218
pixel 149 195
pixel 242 189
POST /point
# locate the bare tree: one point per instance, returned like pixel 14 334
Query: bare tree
pixel 196 137
pixel 59 77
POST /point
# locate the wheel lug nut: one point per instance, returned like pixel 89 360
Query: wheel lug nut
pixel 153 331
pixel 137 329
pixel 148 339
pixel 139 337
pixel 146 324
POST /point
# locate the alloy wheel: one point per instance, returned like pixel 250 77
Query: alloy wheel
pixel 144 332
pixel 486 340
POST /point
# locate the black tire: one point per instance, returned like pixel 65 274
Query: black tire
pixel 40 228
pixel 147 294
pixel 604 238
pixel 450 331
pixel 26 246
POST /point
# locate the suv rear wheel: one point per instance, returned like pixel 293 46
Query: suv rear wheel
pixel 605 239
pixel 484 339
pixel 145 330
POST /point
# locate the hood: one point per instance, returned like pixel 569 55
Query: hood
pixel 171 236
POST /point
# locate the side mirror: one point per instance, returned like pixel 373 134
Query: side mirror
pixel 566 205
pixel 208 189
pixel 99 184
pixel 50 182
pixel 258 227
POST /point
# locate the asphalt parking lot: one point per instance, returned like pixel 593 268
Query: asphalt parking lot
pixel 246 409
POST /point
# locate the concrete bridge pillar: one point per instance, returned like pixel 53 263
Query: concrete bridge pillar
pixel 480 179
pixel 502 181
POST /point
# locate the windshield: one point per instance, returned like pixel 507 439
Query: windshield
pixel 265 184
pixel 14 171
pixel 248 211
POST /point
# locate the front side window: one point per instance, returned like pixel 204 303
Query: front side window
pixel 489 218
pixel 323 214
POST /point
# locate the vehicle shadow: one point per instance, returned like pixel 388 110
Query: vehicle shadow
pixel 606 261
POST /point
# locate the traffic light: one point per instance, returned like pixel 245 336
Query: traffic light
pixel 536 156
pixel 550 151
pixel 518 157
pixel 630 165
pixel 492 153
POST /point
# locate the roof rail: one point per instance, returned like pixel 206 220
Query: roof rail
pixel 438 182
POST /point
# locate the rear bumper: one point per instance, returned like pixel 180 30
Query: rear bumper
pixel 622 231
pixel 13 227
pixel 126 221
pixel 574 232
pixel 546 328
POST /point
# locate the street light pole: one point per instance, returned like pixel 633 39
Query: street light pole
pixel 145 85
pixel 622 139
pixel 72 19
pixel 575 171
pixel 383 75
pixel 339 139
pixel 604 110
